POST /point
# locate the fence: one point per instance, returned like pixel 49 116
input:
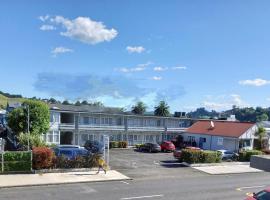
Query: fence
pixel 16 161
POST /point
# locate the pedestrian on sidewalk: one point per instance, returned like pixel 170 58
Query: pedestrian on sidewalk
pixel 102 165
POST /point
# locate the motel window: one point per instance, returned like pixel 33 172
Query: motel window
pixel 85 120
pixel 220 141
pixel 135 137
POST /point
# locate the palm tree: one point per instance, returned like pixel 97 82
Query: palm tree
pixel 139 108
pixel 261 133
pixel 162 109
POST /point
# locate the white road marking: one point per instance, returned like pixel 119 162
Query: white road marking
pixel 124 182
pixel 250 187
pixel 143 197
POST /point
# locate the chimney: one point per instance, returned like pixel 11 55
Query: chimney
pixel 212 125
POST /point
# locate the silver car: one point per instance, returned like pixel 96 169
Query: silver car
pixel 228 155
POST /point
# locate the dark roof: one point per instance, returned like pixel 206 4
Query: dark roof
pixel 221 128
pixel 86 108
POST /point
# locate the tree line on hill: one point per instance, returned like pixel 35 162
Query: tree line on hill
pixel 248 114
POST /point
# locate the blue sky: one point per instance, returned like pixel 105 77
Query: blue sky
pixel 193 53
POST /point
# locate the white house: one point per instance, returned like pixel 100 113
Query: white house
pixel 215 135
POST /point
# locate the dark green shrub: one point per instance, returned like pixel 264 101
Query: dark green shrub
pixel 113 144
pixel 17 161
pixel 191 156
pixel 198 156
pixel 122 144
pixel 246 155
pixel 137 146
pixel 42 158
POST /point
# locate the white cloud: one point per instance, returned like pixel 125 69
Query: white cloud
pixel 85 30
pixel 60 50
pixel 179 68
pixel 156 78
pixel 138 68
pixel 135 49
pixel 44 18
pixel 255 82
pixel 223 102
pixel 47 27
pixel 160 68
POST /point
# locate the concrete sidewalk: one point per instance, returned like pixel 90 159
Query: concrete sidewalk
pixel 227 169
pixel 20 180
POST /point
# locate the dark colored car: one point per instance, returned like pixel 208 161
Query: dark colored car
pixel 167 146
pixel 150 147
pixel 94 146
pixel 70 152
pixel 262 195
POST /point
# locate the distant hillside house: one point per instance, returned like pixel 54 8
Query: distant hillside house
pixel 217 135
pixel 13 105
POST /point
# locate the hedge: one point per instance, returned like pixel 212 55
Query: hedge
pixel 246 155
pixel 17 161
pixel 42 158
pixel 120 144
pixel 198 156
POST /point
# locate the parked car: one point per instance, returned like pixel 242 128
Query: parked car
pixel 177 152
pixel 167 146
pixel 228 155
pixel 70 152
pixel 94 146
pixel 262 195
pixel 150 147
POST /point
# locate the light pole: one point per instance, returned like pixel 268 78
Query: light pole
pixel 28 127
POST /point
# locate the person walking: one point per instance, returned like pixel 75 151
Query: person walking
pixel 102 165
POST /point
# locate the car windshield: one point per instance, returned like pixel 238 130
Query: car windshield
pixel 263 195
pixel 66 152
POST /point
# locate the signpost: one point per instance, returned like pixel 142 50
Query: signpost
pixel 106 146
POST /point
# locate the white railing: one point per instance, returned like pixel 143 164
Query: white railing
pixel 146 128
pixel 67 126
pixel 100 127
pixel 178 129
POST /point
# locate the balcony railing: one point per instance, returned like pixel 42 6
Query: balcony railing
pixel 101 127
pixel 67 126
pixel 146 128
pixel 176 129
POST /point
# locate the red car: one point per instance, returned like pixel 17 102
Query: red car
pixel 167 146
pixel 262 195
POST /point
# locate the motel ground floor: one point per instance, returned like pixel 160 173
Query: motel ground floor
pixel 132 137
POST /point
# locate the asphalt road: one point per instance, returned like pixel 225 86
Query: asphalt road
pixel 152 181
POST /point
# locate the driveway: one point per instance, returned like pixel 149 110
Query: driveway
pixel 141 165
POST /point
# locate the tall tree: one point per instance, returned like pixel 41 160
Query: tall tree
pixel 139 108
pixel 78 103
pixel 66 102
pixel 162 109
pixel 39 117
pixel 261 133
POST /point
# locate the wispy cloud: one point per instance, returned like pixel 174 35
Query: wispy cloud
pixel 179 68
pixel 255 82
pixel 156 78
pixel 135 49
pixel 137 68
pixel 224 102
pixel 47 27
pixel 83 29
pixel 44 18
pixel 161 68
pixel 60 50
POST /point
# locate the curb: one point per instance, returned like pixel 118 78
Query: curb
pixel 64 183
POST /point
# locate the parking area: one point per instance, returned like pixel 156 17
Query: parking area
pixel 142 165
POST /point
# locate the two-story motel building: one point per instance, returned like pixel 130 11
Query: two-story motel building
pixel 70 124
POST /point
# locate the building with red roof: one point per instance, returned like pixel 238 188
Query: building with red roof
pixel 217 135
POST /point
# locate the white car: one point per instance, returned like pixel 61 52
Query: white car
pixel 228 155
